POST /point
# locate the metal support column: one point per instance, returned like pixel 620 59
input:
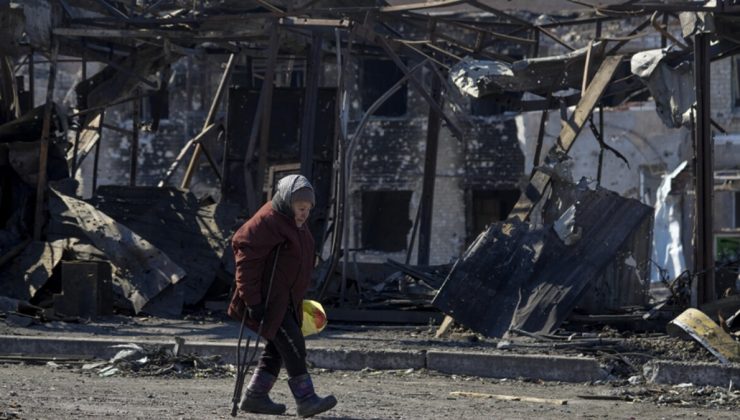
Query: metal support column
pixel 134 141
pixel 430 175
pixel 704 174
pixel 269 84
pixel 310 102
pixel 81 121
pixel 44 144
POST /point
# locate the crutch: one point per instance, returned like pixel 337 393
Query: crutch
pixel 242 364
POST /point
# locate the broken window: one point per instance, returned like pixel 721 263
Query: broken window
pixel 489 206
pixel 385 220
pixel 377 76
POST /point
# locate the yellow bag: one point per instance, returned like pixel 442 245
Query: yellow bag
pixel 314 318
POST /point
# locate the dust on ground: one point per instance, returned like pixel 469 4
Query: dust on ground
pixel 68 391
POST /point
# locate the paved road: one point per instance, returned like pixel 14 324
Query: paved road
pixel 44 392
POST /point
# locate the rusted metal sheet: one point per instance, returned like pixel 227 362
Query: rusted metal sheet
pixel 517 276
pixel 702 329
pixel 145 269
pixel 193 236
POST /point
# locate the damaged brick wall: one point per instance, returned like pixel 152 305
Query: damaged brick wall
pixel 390 157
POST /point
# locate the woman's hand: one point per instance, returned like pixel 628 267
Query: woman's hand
pixel 256 312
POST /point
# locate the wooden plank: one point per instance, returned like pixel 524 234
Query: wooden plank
pixel 96 159
pixel 202 136
pixel 540 181
pixel 199 148
pixel 446 324
pixel 500 397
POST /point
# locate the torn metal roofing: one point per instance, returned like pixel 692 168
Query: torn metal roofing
pixel 519 276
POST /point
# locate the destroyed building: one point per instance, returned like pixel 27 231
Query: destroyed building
pixel 136 138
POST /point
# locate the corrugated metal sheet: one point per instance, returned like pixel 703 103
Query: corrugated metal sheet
pixel 516 276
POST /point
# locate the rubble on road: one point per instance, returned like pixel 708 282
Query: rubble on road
pixel 151 360
pixel 699 327
pixel 687 395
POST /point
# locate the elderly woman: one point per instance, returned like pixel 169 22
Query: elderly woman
pixel 278 230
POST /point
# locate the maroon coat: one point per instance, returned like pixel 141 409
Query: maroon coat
pixel 254 247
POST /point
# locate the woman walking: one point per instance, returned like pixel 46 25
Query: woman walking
pixel 278 230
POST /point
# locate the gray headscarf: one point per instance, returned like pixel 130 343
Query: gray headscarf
pixel 283 197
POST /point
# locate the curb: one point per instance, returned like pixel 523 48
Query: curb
pixel 361 359
pixel 100 348
pixel 668 372
pixel 545 367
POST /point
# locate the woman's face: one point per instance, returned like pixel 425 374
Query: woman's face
pixel 301 210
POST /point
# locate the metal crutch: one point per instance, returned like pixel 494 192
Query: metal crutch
pixel 242 364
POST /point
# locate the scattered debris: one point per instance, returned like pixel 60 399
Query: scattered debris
pixel 151 360
pixel 685 395
pixel 702 329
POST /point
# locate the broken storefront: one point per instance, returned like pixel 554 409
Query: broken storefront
pixel 419 124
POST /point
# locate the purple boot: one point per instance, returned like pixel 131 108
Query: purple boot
pixel 308 403
pixel 256 400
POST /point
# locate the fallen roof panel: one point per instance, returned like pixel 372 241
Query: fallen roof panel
pixel 516 276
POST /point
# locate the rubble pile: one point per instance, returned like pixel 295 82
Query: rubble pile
pixel 687 395
pixel 155 360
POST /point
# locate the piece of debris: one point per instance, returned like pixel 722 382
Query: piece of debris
pixel 515 276
pixel 31 269
pixel 670 85
pixel 509 398
pixel 566 227
pixel 702 329
pixel 86 290
pixel 156 360
pixel 192 235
